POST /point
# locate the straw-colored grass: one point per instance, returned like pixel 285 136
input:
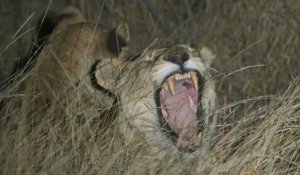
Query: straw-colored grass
pixel 257 75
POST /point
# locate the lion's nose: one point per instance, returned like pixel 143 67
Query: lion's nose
pixel 179 59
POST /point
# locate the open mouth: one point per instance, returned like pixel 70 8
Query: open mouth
pixel 179 107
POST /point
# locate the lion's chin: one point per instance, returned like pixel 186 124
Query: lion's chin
pixel 178 103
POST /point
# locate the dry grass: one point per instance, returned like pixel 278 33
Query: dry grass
pixel 266 141
pixel 257 43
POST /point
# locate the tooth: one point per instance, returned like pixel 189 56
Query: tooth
pixel 171 85
pixel 164 112
pixel 194 80
pixel 165 87
pixel 197 138
pixel 191 103
pixel 189 75
pixel 177 76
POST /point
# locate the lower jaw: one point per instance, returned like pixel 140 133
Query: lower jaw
pixel 183 144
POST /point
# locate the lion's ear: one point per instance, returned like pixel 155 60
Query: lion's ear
pixel 104 74
pixel 70 15
pixel 105 71
pixel 206 55
pixel 118 39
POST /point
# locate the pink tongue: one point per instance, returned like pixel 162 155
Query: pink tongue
pixel 179 111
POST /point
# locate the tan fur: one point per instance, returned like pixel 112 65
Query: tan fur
pixel 62 73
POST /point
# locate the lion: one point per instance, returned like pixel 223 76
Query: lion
pixel 162 99
pixel 168 95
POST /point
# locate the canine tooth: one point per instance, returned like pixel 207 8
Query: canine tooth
pixel 197 138
pixel 194 80
pixel 170 82
pixel 191 103
pixel 165 87
pixel 164 112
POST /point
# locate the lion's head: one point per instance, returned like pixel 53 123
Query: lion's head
pixel 166 95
